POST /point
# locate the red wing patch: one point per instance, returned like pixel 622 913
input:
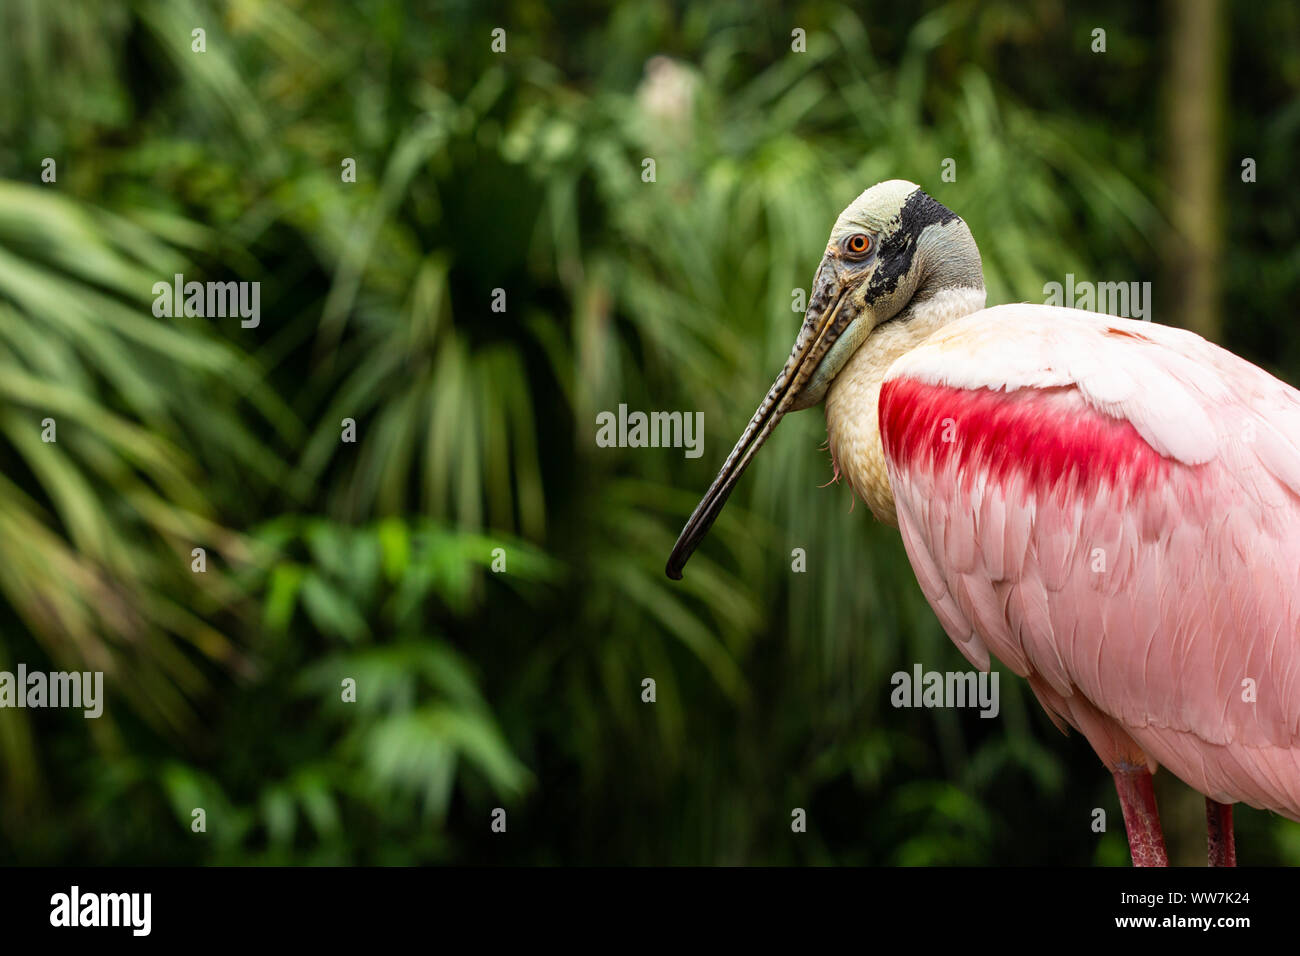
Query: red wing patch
pixel 1049 437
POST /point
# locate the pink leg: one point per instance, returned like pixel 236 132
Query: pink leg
pixel 1218 819
pixel 1146 841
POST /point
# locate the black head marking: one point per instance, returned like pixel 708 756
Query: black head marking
pixel 896 251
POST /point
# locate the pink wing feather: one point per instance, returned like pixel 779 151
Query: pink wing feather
pixel 1112 509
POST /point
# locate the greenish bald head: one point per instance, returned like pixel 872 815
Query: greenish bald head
pixel 891 248
pixel 877 210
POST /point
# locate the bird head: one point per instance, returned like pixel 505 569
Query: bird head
pixel 892 248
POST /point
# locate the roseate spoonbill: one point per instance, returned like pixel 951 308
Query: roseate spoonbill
pixel 1110 507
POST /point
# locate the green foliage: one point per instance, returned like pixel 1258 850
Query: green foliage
pixel 373 561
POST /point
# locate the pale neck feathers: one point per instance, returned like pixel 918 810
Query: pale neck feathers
pixel 852 421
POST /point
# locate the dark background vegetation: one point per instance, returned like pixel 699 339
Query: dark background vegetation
pixel 476 429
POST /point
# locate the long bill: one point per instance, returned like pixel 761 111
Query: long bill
pixel 816 336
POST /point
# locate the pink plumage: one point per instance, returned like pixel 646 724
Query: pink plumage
pixel 1112 509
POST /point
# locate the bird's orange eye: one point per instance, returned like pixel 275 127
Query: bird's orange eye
pixel 857 244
